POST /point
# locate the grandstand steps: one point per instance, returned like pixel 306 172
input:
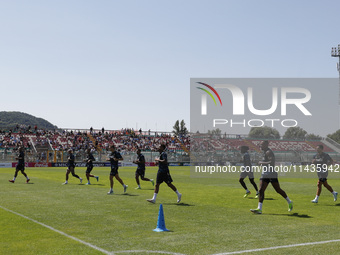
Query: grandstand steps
pixel 184 148
pixel 99 149
pixel 331 144
pixel 252 146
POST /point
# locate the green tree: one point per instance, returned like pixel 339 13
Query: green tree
pixel 313 137
pixel 295 133
pixel 216 131
pixel 264 133
pixel 335 136
pixel 180 128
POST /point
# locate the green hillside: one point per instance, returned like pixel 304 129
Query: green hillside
pixel 8 120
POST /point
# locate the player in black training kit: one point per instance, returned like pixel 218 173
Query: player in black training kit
pixel 21 165
pixel 269 175
pixel 114 158
pixel 141 169
pixel 70 167
pixel 247 171
pixel 322 161
pixel 89 166
pixel 163 175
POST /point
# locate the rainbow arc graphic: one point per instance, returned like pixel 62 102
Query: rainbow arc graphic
pixel 209 93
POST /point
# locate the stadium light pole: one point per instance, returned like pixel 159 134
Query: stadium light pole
pixel 336 53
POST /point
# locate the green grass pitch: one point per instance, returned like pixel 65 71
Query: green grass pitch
pixel 213 216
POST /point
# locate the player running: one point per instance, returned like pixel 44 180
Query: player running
pixel 114 158
pixel 322 160
pixel 70 167
pixel 89 166
pixel 20 166
pixel 141 169
pixel 247 171
pixel 269 175
pixel 163 175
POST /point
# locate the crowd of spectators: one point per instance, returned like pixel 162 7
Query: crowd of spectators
pixel 80 140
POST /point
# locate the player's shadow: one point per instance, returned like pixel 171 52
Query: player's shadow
pixel 269 198
pixel 178 204
pixel 129 195
pixel 338 204
pixel 292 215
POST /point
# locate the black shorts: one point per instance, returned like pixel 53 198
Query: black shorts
pixel 71 166
pixel 140 172
pixel 268 180
pixel 322 179
pixel 89 169
pixel 164 177
pixel 114 170
pixel 20 167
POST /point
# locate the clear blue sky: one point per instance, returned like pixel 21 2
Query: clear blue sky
pixel 117 64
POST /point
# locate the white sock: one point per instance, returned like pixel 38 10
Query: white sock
pixel 138 186
pixel 14 178
pixel 316 197
pixel 259 206
pixel 177 192
pixel 288 200
pixel 333 192
pixel 27 178
pixel 66 181
pixel 247 191
pixel 154 196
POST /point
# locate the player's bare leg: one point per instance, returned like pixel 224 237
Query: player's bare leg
pixel 179 195
pixel 121 182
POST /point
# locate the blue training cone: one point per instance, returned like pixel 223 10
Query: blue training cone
pixel 161 222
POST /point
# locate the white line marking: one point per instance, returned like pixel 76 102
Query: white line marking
pixel 60 232
pixel 278 247
pixel 159 252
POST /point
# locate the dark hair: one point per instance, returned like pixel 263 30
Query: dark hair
pixel 320 146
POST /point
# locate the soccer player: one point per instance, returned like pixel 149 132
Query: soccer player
pixel 89 166
pixel 20 166
pixel 70 167
pixel 114 158
pixel 247 171
pixel 141 169
pixel 322 160
pixel 269 176
pixel 163 175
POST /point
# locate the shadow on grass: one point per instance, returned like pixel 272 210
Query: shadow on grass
pixel 178 204
pixel 292 215
pixel 338 204
pixel 129 195
pixel 269 198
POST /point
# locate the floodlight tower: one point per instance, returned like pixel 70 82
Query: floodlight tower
pixel 336 53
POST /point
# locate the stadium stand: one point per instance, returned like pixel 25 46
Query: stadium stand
pixel 49 142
